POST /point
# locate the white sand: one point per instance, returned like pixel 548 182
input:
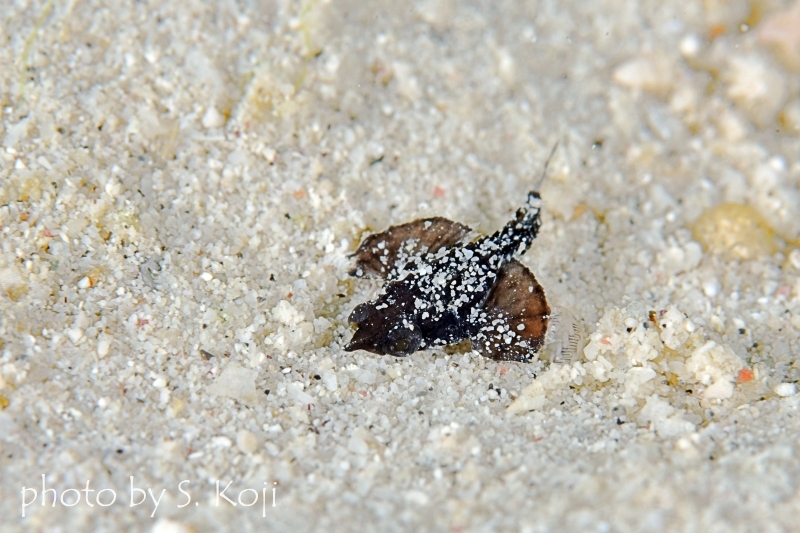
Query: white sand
pixel 182 183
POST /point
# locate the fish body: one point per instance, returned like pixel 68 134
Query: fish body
pixel 441 288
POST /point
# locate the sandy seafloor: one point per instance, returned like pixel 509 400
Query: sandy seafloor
pixel 182 183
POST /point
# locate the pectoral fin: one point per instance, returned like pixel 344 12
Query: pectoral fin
pixel 513 322
pixel 381 254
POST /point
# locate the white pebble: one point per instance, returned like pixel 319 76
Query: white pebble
pixel 777 163
pixel 329 379
pixel 236 382
pixel 205 276
pixel 357 445
pixel 213 118
pixel 417 497
pixel 506 67
pixel 794 258
pixel 75 334
pixel 84 283
pixel 160 383
pixel 367 377
pixel 165 525
pixel 295 391
pixel 786 389
pixel 246 441
pixel 755 86
pixel 286 313
pixel 113 188
pixel 690 45
pixel 711 288
pixel 221 442
pixel 103 347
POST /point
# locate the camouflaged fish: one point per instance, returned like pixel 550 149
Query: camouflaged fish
pixel 442 288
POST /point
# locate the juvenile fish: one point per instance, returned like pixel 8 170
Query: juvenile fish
pixel 442 288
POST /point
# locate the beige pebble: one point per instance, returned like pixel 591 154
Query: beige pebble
pixel 756 87
pixel 781 33
pixel 735 230
pixel 246 441
pixel 651 73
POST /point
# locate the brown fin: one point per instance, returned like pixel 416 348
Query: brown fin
pixel 379 254
pixel 514 319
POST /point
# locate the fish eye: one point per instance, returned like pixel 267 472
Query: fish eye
pixel 403 341
pixel 400 345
